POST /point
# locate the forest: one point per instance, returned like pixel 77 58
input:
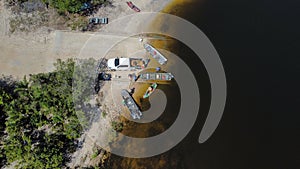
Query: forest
pixel 65 6
pixel 39 126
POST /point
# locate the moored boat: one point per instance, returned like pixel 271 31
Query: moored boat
pixel 156 76
pixel 135 112
pixel 150 90
pixel 155 54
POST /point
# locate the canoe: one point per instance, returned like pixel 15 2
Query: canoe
pixel 150 90
pixel 132 6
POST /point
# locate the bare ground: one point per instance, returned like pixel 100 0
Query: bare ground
pixel 35 52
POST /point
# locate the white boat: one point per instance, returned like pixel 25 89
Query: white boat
pixel 155 54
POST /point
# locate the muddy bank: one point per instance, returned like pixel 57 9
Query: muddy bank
pixel 173 158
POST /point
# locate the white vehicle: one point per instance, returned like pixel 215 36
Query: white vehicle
pixel 127 63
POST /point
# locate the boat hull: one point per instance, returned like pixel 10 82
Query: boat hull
pixel 148 92
pixel 135 112
pixel 155 54
pixel 156 76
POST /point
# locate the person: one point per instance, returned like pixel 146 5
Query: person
pixel 130 76
pixel 150 88
pixel 132 90
pixel 157 69
pixel 134 77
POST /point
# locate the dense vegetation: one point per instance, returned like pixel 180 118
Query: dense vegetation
pixel 73 6
pixel 63 6
pixel 39 125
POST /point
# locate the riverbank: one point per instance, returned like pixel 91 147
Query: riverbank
pixel 170 159
pixel 33 53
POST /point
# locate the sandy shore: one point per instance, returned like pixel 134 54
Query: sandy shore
pixel 34 52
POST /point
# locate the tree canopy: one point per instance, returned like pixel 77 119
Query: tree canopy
pixel 40 119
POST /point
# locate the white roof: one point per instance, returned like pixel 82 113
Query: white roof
pixel 124 61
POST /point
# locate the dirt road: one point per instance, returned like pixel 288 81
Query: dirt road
pixel 22 54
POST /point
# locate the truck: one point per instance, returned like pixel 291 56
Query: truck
pixel 127 63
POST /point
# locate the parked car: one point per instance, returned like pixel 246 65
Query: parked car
pixel 97 20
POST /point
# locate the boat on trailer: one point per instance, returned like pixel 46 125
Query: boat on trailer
pixel 150 90
pixel 135 112
pixel 156 76
pixel 155 54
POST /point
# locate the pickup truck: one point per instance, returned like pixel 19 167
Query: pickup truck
pixel 127 63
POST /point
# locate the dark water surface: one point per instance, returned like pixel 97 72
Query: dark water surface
pixel 257 42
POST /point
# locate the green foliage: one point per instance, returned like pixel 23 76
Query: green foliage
pixel 63 6
pixel 95 154
pixel 40 119
pixel 117 126
pixel 6 96
pixel 83 90
pixel 104 114
pixel 72 6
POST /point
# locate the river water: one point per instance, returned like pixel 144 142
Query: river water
pixel 246 35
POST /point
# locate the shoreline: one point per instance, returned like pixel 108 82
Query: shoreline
pixel 37 55
pixel 111 109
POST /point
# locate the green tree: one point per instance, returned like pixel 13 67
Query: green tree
pixel 41 120
pixel 63 6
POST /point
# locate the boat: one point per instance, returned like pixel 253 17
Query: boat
pixel 155 54
pixel 150 90
pixel 156 76
pixel 132 6
pixel 135 112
